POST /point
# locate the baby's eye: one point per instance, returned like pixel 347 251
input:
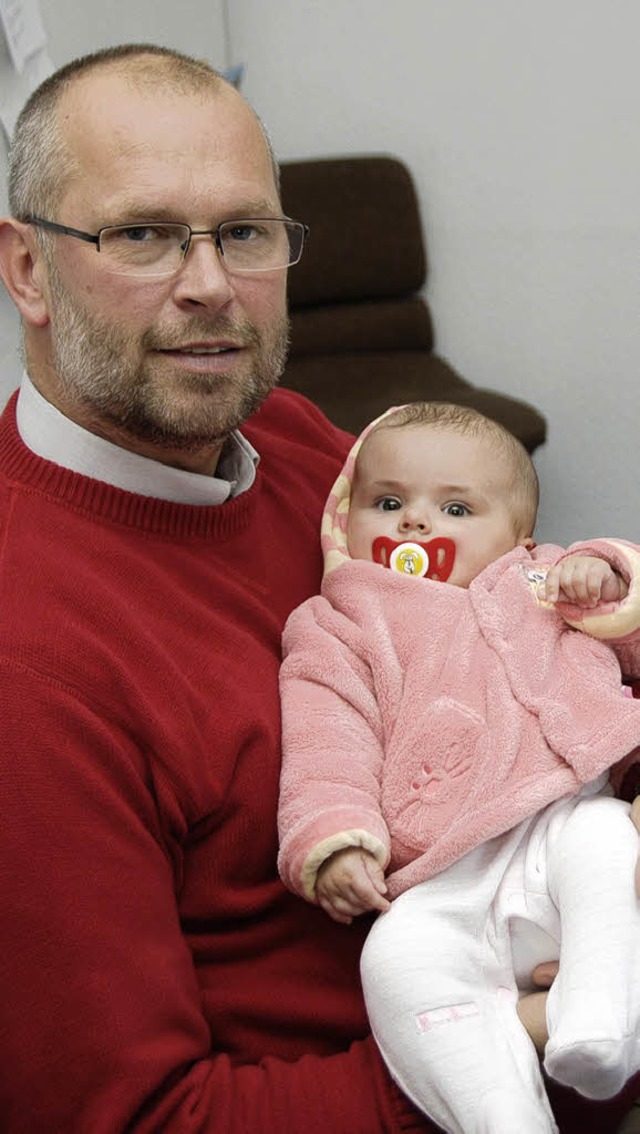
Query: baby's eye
pixel 387 504
pixel 456 509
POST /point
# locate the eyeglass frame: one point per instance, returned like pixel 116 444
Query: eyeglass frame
pixel 94 238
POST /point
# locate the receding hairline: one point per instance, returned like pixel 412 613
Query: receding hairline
pixel 148 57
pixel 446 417
pixel 144 67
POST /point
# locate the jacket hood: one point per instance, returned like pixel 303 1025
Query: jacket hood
pixel 336 511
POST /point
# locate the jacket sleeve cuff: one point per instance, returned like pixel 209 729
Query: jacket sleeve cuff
pixel 614 620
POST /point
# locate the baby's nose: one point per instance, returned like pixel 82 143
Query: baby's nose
pixel 413 522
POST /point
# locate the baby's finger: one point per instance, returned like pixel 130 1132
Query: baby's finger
pixel 366 895
pixel 582 579
pixel 340 906
pixel 376 875
pixel 549 588
pixel 589 583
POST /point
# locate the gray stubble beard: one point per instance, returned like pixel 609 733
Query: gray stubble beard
pixel 88 356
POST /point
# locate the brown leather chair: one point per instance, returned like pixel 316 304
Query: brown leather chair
pixel 362 338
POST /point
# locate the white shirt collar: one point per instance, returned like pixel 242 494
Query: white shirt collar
pixel 49 434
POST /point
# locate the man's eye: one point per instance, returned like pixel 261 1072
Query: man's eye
pixel 243 233
pixel 143 233
pixel 387 504
pixel 456 509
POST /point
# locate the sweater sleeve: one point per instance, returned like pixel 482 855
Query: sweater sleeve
pixel 101 1014
pixel 332 747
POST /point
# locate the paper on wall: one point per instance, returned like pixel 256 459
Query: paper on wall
pixel 23 30
pixel 24 60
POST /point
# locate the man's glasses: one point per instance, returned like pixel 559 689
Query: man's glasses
pixel 153 248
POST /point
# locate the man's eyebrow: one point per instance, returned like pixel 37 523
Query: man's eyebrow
pixel 256 208
pixel 134 211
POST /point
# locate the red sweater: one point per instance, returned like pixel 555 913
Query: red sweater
pixel 155 974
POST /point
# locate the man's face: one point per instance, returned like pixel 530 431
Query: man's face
pixel 416 483
pixel 163 366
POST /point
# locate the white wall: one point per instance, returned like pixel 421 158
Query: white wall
pixel 197 27
pixel 520 122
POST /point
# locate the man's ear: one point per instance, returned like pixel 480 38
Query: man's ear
pixel 23 271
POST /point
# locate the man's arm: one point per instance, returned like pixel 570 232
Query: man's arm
pixel 102 1016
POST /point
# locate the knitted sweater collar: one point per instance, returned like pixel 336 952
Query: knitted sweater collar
pixel 47 432
pixel 115 505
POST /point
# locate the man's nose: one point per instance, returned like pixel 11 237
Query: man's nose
pixel 202 278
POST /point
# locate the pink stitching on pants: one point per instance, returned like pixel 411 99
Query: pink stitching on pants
pixel 450 1015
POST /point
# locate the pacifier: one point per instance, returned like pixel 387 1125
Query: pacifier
pixel 430 560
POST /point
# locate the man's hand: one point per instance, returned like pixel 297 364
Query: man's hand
pixel 584 580
pixel 635 815
pixel 532 1010
pixel 349 883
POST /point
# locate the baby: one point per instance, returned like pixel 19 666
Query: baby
pixel 449 719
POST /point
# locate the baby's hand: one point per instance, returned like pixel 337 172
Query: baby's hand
pixel 349 883
pixel 584 580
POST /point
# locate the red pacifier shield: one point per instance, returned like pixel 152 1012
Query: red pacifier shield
pixel 430 560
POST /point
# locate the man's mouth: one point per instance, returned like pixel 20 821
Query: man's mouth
pixel 205 350
pixel 212 360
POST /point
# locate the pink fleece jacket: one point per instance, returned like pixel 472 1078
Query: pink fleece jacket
pixel 420 718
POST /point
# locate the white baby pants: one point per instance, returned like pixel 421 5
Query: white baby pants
pixel 442 970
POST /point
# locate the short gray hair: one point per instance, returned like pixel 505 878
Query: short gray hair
pixel 40 162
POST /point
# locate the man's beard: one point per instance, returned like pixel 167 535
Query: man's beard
pixel 102 371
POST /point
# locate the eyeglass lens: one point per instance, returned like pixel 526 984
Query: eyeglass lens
pixel 159 249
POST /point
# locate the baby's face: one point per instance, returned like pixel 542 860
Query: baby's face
pixel 417 483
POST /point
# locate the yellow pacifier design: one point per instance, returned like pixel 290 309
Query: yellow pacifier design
pixel 409 559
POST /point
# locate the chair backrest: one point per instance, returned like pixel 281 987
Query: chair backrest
pixel 361 331
pixel 366 239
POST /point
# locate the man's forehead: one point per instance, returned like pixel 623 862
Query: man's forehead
pixel 131 140
pixel 112 94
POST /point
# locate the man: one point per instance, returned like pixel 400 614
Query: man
pixel 156 976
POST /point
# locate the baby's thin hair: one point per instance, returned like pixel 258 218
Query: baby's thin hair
pixel 465 420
